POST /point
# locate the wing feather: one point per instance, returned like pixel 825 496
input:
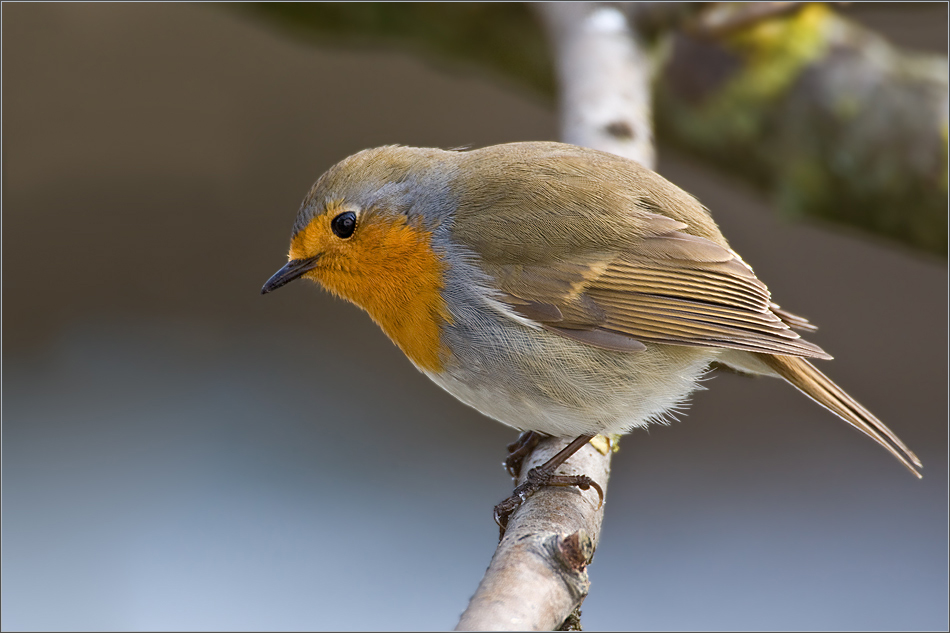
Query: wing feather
pixel 717 289
pixel 793 320
pixel 668 287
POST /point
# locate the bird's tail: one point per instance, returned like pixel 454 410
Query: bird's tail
pixel 806 378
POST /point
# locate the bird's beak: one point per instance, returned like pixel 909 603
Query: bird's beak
pixel 291 270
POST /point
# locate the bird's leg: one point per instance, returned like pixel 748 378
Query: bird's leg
pixel 543 475
pixel 519 450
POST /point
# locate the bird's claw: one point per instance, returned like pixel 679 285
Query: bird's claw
pixel 536 478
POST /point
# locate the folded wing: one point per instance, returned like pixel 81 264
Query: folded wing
pixel 669 287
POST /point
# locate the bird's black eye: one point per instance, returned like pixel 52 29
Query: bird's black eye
pixel 344 224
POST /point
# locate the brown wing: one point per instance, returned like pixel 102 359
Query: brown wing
pixel 670 287
pixel 793 320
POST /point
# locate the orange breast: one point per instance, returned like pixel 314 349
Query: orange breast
pixel 389 269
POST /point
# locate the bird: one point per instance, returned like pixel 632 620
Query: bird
pixel 560 290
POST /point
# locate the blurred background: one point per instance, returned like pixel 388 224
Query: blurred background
pixel 180 453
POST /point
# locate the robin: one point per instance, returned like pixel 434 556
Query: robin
pixel 560 290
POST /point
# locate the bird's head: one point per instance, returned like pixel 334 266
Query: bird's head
pixel 364 232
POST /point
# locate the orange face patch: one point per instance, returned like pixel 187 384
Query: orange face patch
pixel 388 268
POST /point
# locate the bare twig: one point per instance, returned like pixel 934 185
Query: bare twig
pixel 538 575
pixel 653 19
pixel 721 18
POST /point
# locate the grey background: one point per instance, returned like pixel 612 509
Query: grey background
pixel 181 453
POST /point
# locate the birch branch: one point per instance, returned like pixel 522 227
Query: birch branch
pixel 538 575
pixel 604 78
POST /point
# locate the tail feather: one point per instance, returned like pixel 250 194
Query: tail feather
pixel 806 378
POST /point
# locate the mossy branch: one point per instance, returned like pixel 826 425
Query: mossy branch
pixel 827 117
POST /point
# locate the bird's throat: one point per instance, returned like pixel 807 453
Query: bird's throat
pixel 395 276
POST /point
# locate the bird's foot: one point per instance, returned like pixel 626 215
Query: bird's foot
pixel 543 475
pixel 536 479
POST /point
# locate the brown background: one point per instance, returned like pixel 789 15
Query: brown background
pixel 181 453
